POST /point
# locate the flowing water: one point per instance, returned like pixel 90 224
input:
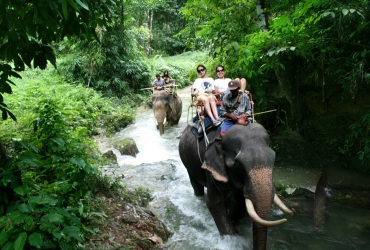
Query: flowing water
pixel 158 167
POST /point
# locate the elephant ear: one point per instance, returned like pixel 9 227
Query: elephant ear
pixel 214 160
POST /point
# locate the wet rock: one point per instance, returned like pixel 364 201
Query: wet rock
pixel 127 146
pixel 109 155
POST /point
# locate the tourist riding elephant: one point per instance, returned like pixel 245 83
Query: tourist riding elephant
pixel 237 172
pixel 167 107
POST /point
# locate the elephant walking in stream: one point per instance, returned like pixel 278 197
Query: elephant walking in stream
pixel 167 107
pixel 237 172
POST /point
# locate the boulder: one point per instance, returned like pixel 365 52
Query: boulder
pixel 127 146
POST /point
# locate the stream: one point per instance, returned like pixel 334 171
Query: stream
pixel 158 167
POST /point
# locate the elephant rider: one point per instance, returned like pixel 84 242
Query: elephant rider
pixel 203 89
pixel 158 84
pixel 235 107
pixel 221 82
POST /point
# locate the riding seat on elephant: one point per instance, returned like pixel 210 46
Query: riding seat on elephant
pixel 238 166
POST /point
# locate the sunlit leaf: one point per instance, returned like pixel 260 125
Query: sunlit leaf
pixel 290 190
pixel 82 4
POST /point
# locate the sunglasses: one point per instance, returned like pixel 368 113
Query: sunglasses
pixel 200 70
pixel 221 70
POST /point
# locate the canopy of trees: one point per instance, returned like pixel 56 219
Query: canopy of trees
pixel 287 49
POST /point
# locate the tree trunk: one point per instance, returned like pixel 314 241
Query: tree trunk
pixel 150 27
pixel 261 16
pixel 288 88
pixel 3 155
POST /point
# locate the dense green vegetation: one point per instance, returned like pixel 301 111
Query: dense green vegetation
pixel 307 59
pixel 49 183
pixel 291 51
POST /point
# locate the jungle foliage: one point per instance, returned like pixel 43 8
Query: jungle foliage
pixel 49 171
pixel 49 184
pixel 301 45
pixel 28 29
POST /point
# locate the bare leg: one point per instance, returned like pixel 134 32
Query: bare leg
pixel 243 84
pixel 207 107
pixel 212 103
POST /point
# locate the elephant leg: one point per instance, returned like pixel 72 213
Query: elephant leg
pixel 237 206
pixel 198 188
pixel 217 207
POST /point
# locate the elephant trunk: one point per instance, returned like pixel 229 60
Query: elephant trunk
pixel 160 120
pixel 262 196
pixel 161 128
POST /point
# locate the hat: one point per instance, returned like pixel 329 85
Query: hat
pixel 233 85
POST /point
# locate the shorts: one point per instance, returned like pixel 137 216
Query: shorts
pixel 200 95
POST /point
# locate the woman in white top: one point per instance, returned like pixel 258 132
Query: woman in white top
pixel 203 88
pixel 221 84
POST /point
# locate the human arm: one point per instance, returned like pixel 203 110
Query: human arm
pixel 244 108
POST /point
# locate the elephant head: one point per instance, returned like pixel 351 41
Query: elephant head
pixel 167 107
pixel 245 162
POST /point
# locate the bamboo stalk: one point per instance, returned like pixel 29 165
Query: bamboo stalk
pixel 260 113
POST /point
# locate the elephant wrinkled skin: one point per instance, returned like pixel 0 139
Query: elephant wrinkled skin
pixel 237 172
pixel 167 107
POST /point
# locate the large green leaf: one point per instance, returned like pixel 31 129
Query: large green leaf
pixel 20 241
pixel 24 208
pixel 42 199
pixel 78 162
pixel 36 240
pixel 22 190
pixel 73 232
pixel 8 246
pixel 3 237
pixel 53 218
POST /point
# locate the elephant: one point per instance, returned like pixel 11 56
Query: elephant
pixel 237 172
pixel 167 107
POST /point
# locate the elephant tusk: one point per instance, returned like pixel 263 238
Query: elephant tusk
pixel 254 216
pixel 282 206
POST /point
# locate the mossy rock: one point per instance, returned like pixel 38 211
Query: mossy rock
pixel 127 146
pixel 109 155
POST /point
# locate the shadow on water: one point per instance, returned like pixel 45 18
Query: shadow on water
pixel 158 167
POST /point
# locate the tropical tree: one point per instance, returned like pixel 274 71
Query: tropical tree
pixel 29 27
pixel 290 47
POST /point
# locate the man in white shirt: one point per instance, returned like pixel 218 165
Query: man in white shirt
pixel 203 88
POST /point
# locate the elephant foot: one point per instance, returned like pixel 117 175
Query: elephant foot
pixel 230 231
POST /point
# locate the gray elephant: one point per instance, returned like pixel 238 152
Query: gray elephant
pixel 167 107
pixel 237 172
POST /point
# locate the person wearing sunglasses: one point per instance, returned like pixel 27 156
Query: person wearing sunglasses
pixel 203 89
pixel 221 84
